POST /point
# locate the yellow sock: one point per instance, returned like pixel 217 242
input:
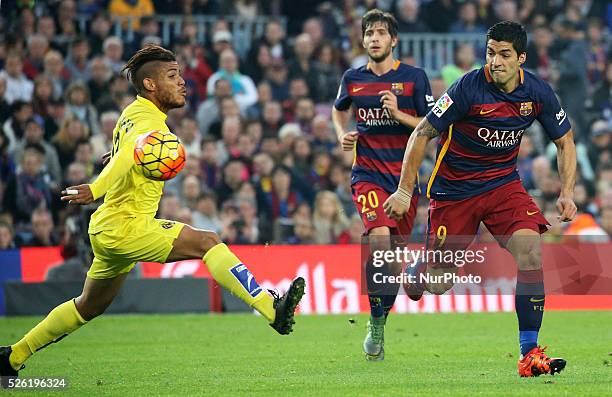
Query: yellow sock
pixel 62 320
pixel 228 271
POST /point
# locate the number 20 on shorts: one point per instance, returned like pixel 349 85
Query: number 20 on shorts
pixel 370 199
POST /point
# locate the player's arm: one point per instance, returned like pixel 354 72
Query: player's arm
pixel 117 167
pixel 566 161
pixel 557 127
pixel 340 119
pixel 399 202
pixel 341 116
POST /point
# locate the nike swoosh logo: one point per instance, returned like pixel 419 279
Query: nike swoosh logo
pixel 536 300
pixel 483 112
pixel 532 212
pixel 357 89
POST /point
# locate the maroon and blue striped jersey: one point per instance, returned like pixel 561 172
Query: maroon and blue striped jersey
pixel 382 139
pixel 481 129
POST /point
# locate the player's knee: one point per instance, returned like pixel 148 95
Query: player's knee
pixel 208 240
pixel 530 259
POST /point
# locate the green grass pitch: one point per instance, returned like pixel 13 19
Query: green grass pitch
pixel 428 354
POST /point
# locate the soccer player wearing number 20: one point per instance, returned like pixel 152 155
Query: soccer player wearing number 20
pixel 480 121
pixel 389 99
pixel 123 229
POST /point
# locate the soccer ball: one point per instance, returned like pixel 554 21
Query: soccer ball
pixel 159 155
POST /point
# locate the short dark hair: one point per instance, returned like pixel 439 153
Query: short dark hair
pixel 37 147
pixel 511 32
pixel 374 16
pixel 149 53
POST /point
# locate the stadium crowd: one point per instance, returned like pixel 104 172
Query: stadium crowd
pixel 263 161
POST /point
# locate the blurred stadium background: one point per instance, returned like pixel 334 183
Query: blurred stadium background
pixel 264 168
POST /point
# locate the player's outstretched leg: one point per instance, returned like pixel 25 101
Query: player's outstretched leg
pixel 524 245
pixel 232 274
pixel 66 318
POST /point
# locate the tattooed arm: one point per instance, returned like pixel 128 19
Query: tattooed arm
pixel 399 202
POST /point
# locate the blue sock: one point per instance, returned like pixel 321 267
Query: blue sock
pixel 529 304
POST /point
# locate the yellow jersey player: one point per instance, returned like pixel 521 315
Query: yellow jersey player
pixel 124 231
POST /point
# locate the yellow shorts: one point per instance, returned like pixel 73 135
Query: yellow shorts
pixel 140 239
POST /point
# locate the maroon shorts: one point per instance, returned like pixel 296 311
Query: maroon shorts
pixel 369 199
pixel 503 210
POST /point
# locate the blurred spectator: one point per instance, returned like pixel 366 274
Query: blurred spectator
pixel 5 108
pixel 205 214
pixel 465 61
pixel 46 26
pixel 484 10
pixel 54 69
pixel 277 76
pixel 313 27
pixel 539 60
pixel 327 70
pixel 29 187
pixel 221 41
pixel 468 20
pixel 234 174
pixel 408 18
pixel 7 165
pixel 83 154
pixel 208 111
pixel 7 241
pixel 605 220
pixel 77 61
pixel 354 233
pixel 34 134
pixel 14 126
pixel 262 60
pixel 131 10
pixel 274 40
pixel 76 174
pixel 209 163
pixel 103 142
pixel 304 113
pixel 272 118
pixel 196 71
pixel 328 218
pixel 600 150
pixel 190 136
pixel 602 96
pixel 243 88
pixel 264 95
pixel 99 75
pixel 282 199
pixel 302 65
pixel 71 131
pixel 597 56
pixel 43 94
pixel 440 15
pixel 112 48
pixel 38 45
pixel 99 30
pixel 43 234
pixel 78 104
pixel 118 88
pixel 572 83
pixel 506 10
pixel 18 86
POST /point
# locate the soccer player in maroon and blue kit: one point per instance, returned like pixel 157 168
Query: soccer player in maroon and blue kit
pixel 389 99
pixel 480 121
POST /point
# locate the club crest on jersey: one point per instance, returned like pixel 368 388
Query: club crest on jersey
pixel 244 277
pixel 371 216
pixel 442 105
pixel 167 225
pixel 397 88
pixel 526 108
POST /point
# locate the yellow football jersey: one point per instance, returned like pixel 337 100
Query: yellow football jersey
pixel 127 193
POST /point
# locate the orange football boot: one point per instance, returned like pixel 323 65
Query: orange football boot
pixel 536 363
